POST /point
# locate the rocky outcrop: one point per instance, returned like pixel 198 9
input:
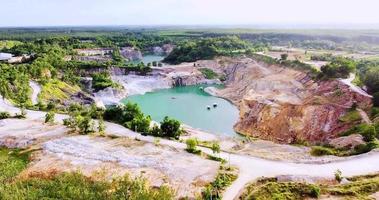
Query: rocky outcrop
pixel 109 96
pixel 350 141
pixel 285 105
pixel 131 53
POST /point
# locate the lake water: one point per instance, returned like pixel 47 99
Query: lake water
pixel 188 104
pixel 149 59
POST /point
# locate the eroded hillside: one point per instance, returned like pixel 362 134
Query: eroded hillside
pixel 286 105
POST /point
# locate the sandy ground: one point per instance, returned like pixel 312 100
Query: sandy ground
pixel 115 157
pixel 36 90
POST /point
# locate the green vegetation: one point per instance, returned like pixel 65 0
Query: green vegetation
pixel 224 178
pixel 102 80
pixel 80 119
pixel 338 175
pixel 339 68
pixel 50 117
pixel 192 146
pixel 12 162
pixel 171 128
pixel 271 189
pixel 8 44
pixel 351 116
pixel 56 91
pixel 69 185
pixel 283 56
pixel 4 115
pixel 208 73
pixel 360 187
pixel 14 84
pixel 131 116
pixel 370 136
pixel 206 48
pixel 323 57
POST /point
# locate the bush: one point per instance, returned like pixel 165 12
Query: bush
pixel 338 68
pixel 371 79
pixel 4 115
pixel 192 146
pixel 338 175
pixel 171 128
pixel 101 127
pixel 283 56
pixel 156 131
pixel 140 124
pixel 50 117
pixel 321 151
pixel 375 99
pixel 101 81
pixel 208 73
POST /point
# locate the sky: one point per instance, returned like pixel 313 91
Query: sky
pixel 186 12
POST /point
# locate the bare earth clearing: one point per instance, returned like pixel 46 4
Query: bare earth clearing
pixel 92 154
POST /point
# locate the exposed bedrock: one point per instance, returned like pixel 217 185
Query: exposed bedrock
pixel 285 105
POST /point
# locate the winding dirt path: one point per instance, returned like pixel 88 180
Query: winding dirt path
pixel 36 90
pixel 250 168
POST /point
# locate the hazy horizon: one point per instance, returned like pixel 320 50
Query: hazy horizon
pixel 237 13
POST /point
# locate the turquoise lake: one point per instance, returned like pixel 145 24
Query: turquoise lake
pixel 188 104
pixel 149 59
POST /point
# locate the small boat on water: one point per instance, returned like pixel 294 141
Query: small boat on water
pixel 208 107
pixel 215 105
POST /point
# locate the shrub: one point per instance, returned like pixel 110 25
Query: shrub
pixel 192 146
pixel 101 81
pixel 338 175
pixel 5 115
pixel 50 117
pixel 375 99
pixel 170 128
pixel 85 124
pixel 156 131
pixel 338 68
pixel 140 124
pixel 321 151
pixel 283 56
pixel 208 73
pixel 216 147
pixel 101 126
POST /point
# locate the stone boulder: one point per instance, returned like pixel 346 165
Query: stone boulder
pixel 350 141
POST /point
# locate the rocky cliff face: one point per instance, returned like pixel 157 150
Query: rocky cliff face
pixel 286 106
pixel 131 54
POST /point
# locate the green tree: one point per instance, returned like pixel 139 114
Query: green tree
pixel 371 79
pixel 283 56
pixel 339 68
pixel 170 128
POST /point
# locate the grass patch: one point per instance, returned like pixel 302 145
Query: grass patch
pixel 77 186
pixel 56 90
pixel 351 116
pixel 208 73
pixel 12 162
pixel 269 189
pixel 224 178
pixel 69 185
pixel 360 187
pixel 360 149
